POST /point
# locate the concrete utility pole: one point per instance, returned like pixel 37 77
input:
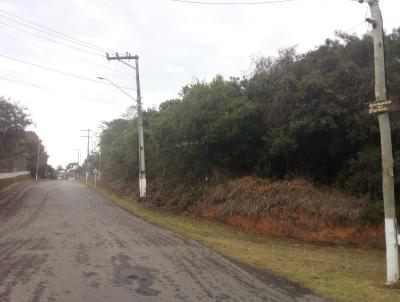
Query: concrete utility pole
pixel 142 168
pixel 37 159
pixel 87 157
pixel 381 106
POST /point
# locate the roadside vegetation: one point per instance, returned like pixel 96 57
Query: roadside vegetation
pixel 291 141
pixel 344 274
pixel 293 116
pixel 19 147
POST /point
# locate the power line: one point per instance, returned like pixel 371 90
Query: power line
pixel 60 53
pixel 355 26
pixel 14 81
pixel 51 40
pixel 59 71
pixel 232 3
pixel 36 86
pixel 57 33
pixel 48 33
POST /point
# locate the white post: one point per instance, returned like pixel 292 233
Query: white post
pixel 99 167
pixel 37 160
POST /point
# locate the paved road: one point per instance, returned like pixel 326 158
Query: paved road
pixel 60 241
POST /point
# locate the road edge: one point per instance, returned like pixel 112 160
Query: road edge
pixel 264 275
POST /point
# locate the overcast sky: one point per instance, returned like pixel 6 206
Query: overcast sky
pixel 176 42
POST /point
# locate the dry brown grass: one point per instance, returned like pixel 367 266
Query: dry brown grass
pixel 250 197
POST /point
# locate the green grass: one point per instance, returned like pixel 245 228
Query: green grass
pixel 4 183
pixel 344 274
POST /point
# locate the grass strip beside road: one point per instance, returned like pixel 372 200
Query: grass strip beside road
pixel 344 274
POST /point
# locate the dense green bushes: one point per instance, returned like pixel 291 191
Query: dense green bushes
pixel 294 115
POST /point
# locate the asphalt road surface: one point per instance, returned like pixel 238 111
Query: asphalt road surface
pixel 60 241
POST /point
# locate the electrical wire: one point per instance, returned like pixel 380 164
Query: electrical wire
pixel 46 32
pixel 355 26
pixel 60 71
pixel 36 86
pixel 232 3
pixel 56 33
pixel 51 40
pixel 60 53
pixel 19 82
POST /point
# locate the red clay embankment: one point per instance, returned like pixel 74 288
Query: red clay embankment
pixel 293 209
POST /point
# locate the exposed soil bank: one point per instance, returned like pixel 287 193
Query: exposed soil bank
pixel 292 209
pixel 305 229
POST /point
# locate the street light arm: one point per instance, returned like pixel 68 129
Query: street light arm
pixel 116 86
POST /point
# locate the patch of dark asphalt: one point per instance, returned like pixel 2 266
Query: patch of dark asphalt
pixel 82 257
pixel 37 294
pixel 41 244
pixel 124 273
pixel 94 284
pixel 89 274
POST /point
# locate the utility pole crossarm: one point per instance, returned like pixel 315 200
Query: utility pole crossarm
pixel 119 58
pixel 128 56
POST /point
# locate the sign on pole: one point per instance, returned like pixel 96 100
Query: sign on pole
pixel 377 107
pixel 95 178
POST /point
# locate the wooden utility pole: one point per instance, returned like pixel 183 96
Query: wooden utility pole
pixel 142 166
pixel 381 106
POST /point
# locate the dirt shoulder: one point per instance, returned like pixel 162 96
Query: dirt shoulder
pixel 9 191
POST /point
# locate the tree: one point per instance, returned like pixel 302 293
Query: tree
pixel 294 115
pixel 13 121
